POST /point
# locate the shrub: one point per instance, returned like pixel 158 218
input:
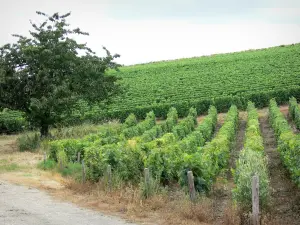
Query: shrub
pixel 70 146
pixel 12 121
pixel 130 121
pixel 49 164
pixel 29 141
pixel 62 158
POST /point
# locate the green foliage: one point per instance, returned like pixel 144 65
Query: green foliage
pixel 71 147
pixel 62 158
pixel 127 161
pixel 49 164
pixel 207 162
pixel 199 82
pixel 12 121
pixel 253 139
pixel 294 111
pixel 184 127
pixel 141 127
pixel 288 142
pixel 251 161
pixel 29 141
pixel 207 127
pixel 83 130
pixel 166 155
pixel 43 75
pixel 193 113
pixel 130 121
pixel 72 170
pixel 162 128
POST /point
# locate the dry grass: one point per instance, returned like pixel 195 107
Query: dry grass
pixel 173 207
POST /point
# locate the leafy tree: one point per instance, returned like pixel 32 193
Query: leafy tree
pixel 46 73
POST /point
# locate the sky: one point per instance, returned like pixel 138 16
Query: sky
pixel 151 30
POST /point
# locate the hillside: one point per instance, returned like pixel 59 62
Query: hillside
pixel 255 75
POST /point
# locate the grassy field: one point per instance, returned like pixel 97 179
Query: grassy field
pixel 255 75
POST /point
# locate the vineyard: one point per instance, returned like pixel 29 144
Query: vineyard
pixel 171 148
pixel 221 80
pixel 205 140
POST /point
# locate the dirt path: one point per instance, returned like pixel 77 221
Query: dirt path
pixel 26 206
pixel 285 196
pixel 22 205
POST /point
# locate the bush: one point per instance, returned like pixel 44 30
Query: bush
pixel 49 164
pixel 70 146
pixel 130 121
pixel 29 142
pixel 73 170
pixel 12 121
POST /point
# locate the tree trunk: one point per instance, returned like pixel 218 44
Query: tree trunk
pixel 44 130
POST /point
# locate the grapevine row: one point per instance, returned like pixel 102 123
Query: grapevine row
pixel 288 142
pixel 251 161
pixel 294 111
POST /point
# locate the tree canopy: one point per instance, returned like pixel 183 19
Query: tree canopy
pixel 46 73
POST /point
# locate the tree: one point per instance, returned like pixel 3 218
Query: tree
pixel 46 73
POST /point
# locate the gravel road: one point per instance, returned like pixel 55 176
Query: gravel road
pixel 21 205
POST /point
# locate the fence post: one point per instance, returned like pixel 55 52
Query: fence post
pixel 255 200
pixel 78 157
pixel 45 156
pixel 147 181
pixel 191 186
pixel 109 177
pixel 83 172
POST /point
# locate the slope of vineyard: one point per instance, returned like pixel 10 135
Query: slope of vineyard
pixel 225 79
pixel 207 147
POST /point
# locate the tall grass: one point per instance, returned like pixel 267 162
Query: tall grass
pixel 31 140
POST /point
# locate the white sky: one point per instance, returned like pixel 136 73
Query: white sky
pixel 143 31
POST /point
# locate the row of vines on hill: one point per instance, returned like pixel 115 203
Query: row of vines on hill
pixel 168 149
pixel 288 142
pixel 220 80
pixel 251 161
pixel 172 147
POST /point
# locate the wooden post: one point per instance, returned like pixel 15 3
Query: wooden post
pixel 255 200
pixel 45 156
pixel 191 186
pixel 109 177
pixel 147 181
pixel 78 157
pixel 83 172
